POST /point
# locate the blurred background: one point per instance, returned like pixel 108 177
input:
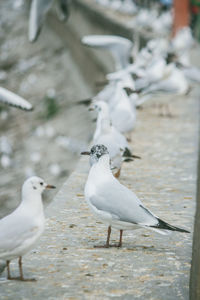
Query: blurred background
pixel 47 140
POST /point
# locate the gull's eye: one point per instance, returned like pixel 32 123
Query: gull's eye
pixel 41 183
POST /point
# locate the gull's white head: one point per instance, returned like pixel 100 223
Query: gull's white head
pixel 96 152
pixel 35 184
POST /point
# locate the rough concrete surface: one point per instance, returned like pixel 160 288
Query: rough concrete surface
pixel 149 265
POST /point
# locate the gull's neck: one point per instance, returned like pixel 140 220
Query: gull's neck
pixel 105 126
pixel 101 169
pixel 102 115
pixel 32 202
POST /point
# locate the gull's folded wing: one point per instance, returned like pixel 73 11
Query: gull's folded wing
pixel 122 204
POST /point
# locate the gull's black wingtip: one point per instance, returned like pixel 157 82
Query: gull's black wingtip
pixel 165 226
pixel 127 154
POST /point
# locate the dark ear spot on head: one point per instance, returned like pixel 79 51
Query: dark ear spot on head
pixel 34 187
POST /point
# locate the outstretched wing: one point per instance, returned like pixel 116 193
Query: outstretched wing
pixel 12 99
pixel 38 11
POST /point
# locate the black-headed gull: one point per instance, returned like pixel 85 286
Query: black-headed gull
pixel 113 203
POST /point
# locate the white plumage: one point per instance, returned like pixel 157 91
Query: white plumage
pixel 113 203
pixel 20 230
pixel 38 11
pixel 119 47
pixel 12 99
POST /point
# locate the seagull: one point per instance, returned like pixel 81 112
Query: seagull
pixel 162 24
pixel 38 11
pixel 114 149
pixel 158 45
pixel 114 135
pixel 122 110
pixel 183 40
pixel 190 72
pixel 175 83
pixel 11 99
pixel 128 7
pixel 119 47
pixel 153 73
pixel 145 18
pixel 117 153
pixel 20 230
pixel 124 77
pixel 104 95
pixel 113 203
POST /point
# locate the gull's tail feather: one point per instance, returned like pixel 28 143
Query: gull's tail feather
pixel 165 226
pixel 127 154
pixel 136 156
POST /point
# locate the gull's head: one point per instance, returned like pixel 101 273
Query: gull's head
pixel 96 152
pixel 36 184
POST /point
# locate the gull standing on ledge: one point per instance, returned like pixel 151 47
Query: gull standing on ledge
pixel 109 136
pixel 20 230
pixel 113 203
